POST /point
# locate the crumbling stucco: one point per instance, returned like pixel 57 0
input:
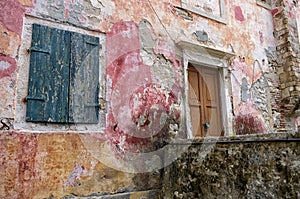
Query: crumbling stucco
pixel 142 88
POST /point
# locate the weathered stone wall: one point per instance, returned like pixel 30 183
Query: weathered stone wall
pixel 265 166
pixel 287 46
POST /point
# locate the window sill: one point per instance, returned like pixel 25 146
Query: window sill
pixel 221 18
pixel 264 5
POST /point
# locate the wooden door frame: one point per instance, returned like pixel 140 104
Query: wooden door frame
pixel 203 71
pixel 222 96
pixel 211 58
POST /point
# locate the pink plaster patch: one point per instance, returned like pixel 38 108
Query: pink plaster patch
pixel 261 37
pixel 139 105
pixel 127 73
pixel 137 102
pixel 7 65
pixel 240 64
pixel 239 13
pixel 248 108
pixel 128 83
pixel 241 69
pixel 123 39
pixel 166 49
pixel 75 175
pixel 148 104
pixel 11 15
pixel 67 7
pixel 83 18
pixel 276 11
pixel 67 13
pixel 248 120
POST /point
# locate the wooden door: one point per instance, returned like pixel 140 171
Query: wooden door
pixel 204 101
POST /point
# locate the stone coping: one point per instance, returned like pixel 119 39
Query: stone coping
pixel 252 138
pixel 148 194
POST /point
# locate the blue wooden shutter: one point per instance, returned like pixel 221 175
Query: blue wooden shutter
pixel 48 86
pixel 84 79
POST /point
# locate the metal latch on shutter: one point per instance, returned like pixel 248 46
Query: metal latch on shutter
pixel 101 104
pixel 35 98
pixel 93 105
pixel 36 49
pixel 93 43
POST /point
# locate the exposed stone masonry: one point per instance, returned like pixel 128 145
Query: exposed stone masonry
pixel 287 46
pixel 275 95
pixel 237 167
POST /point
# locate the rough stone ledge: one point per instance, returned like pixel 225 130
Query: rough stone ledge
pixel 269 137
pixel 150 194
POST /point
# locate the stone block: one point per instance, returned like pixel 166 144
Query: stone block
pixel 281 42
pixel 289 84
pixel 295 93
pixel 291 88
pixel 281 32
pixel 287 54
pixel 280 47
pixel 285 21
pixel 286 93
pixel 283 76
pixel 295 67
pixel 283 50
pixel 280 70
pixel 291 73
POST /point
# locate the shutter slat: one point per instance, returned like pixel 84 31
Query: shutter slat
pixel 38 60
pixel 56 109
pixel 49 75
pixel 84 78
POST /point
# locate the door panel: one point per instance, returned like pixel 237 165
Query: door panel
pixel 211 80
pixel 196 102
pixel 213 114
pixel 195 120
pixel 204 101
pixel 194 91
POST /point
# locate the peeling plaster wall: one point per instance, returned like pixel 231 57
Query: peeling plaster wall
pixel 10 35
pixel 236 36
pixel 48 165
pixel 100 15
pixel 142 82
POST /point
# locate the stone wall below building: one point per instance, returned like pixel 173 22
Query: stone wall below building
pixel 256 166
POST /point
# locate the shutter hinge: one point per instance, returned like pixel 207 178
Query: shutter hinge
pixel 35 98
pixel 101 104
pixel 36 49
pixel 93 105
pixel 92 43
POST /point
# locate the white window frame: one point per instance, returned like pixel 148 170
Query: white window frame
pixel 264 5
pixel 221 18
pixel 23 76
